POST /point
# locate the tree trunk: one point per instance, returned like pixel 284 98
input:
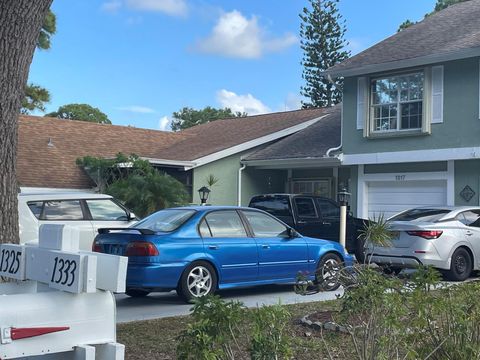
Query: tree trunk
pixel 20 24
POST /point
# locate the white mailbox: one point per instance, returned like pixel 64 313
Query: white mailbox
pixel 61 306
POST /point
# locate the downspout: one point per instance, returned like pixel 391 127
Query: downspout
pixel 239 188
pixel 341 136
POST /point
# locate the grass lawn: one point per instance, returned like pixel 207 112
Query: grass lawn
pixel 157 339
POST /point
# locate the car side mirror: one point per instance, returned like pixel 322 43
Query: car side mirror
pixel 292 233
pixel 132 216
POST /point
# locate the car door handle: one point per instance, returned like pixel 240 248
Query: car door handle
pixel 326 223
pixel 301 222
pixel 469 233
pixel 265 246
pixel 213 247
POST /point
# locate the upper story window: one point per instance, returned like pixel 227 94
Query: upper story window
pixel 400 104
pixel 397 102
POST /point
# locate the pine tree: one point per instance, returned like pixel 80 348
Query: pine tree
pixel 322 32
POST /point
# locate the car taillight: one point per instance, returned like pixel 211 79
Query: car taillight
pixel 426 234
pixel 96 247
pixel 141 248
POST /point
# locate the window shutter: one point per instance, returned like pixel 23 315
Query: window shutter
pixel 437 94
pixel 361 102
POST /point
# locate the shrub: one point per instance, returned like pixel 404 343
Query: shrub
pixel 269 339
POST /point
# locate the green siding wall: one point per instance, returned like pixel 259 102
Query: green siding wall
pixel 460 127
pixel 432 166
pixel 254 181
pixel 467 172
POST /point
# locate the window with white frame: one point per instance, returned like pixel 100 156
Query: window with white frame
pixel 397 102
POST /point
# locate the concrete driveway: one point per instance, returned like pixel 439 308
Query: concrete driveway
pixel 159 305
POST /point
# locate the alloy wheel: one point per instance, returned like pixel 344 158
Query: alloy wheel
pixel 199 281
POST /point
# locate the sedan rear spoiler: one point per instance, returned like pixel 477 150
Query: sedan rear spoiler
pixel 141 231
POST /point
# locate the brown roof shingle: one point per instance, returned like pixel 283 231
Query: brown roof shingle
pixel 40 165
pixel 219 135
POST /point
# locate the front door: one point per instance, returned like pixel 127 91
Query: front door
pixel 225 240
pixel 279 256
pixel 471 232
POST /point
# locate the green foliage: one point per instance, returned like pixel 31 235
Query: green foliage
pixel 82 112
pixel 48 29
pixel 213 333
pixel 145 194
pixel 440 5
pixel 218 328
pixel 188 117
pixel 35 99
pixel 376 232
pixel 211 180
pixel 269 337
pixel 322 32
pixel 373 312
pixel 135 182
pixel 35 95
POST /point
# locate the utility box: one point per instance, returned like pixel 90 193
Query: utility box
pixel 62 305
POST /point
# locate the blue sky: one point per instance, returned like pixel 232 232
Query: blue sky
pixel 140 60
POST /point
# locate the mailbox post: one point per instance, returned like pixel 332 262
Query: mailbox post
pixel 61 306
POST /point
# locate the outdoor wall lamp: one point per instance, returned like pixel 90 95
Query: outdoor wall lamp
pixel 203 193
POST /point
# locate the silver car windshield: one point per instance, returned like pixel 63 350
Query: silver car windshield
pixel 165 220
pixel 421 215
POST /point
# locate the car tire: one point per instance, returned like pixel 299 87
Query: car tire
pixel 198 279
pixel 326 275
pixel 360 250
pixel 460 266
pixel 136 293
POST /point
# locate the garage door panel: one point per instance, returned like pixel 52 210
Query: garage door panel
pixel 420 198
pixel 390 198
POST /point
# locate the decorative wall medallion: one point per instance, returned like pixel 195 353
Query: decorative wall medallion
pixel 467 193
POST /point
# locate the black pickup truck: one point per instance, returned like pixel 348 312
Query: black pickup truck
pixel 312 216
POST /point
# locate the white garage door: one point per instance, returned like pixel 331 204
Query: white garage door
pixel 391 197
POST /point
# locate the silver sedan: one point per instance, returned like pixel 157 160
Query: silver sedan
pixel 447 238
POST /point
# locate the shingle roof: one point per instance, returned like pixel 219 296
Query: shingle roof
pixel 219 135
pixel 312 142
pixel 454 29
pixel 40 165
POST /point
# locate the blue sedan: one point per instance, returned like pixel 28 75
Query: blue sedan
pixel 197 250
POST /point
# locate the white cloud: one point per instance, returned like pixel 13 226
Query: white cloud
pixel 137 109
pixel 169 7
pixel 292 102
pixel 356 45
pixel 236 36
pixel 164 123
pixel 243 103
pixel 112 6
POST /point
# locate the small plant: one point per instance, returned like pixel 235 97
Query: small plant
pixel 213 333
pixel 376 232
pixel 269 338
pixel 211 180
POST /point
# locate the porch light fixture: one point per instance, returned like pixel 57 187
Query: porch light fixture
pixel 203 193
pixel 343 197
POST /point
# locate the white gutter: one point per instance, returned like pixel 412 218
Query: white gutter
pixel 186 165
pixel 239 188
pixel 341 137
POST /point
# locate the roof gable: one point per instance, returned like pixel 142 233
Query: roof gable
pixel 446 35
